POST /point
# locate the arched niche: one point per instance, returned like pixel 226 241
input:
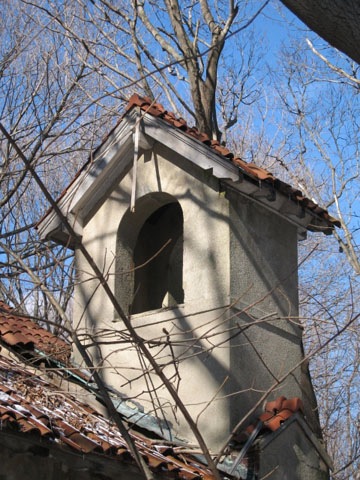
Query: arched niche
pixel 149 255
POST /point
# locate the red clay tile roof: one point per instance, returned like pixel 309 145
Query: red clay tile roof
pixel 157 110
pixel 276 412
pixel 16 330
pixel 30 404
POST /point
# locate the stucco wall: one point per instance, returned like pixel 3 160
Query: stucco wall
pixel 290 455
pixel 263 272
pixel 232 248
pixel 205 283
pixel 263 258
pixel 206 232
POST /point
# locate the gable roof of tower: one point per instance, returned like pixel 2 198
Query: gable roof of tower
pixel 160 125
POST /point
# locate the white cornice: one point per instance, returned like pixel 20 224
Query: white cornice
pixel 189 147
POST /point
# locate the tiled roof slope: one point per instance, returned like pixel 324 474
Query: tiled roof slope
pixel 29 404
pixel 16 330
pixel 157 110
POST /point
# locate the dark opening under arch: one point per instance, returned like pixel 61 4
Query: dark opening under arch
pixel 158 281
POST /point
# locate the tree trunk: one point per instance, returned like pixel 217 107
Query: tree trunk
pixel 336 21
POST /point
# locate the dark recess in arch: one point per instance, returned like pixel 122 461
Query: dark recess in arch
pixel 158 218
pixel 159 282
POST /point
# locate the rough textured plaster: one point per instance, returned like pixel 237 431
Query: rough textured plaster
pixel 231 246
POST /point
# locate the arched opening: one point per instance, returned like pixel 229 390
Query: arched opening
pixel 149 255
pixel 158 260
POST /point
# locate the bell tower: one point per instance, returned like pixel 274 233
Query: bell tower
pixel 200 249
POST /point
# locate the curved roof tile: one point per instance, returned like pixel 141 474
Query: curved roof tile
pixel 18 330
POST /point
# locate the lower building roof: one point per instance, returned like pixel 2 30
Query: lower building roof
pixel 32 405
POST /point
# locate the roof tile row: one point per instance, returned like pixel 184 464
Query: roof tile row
pixel 19 330
pixel 276 412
